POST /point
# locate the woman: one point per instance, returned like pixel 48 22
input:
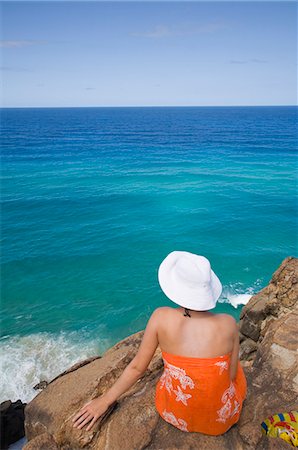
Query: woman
pixel 203 385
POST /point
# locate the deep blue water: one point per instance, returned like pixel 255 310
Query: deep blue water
pixel 94 198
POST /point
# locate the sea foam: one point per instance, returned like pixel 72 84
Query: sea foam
pixel 236 295
pixel 238 299
pixel 27 360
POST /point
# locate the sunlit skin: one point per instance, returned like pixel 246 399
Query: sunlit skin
pixel 157 334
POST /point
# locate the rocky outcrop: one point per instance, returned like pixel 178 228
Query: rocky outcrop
pixel 274 301
pixel 268 331
pixel 11 422
pixel 267 352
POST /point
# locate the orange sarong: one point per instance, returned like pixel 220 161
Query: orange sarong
pixel 197 394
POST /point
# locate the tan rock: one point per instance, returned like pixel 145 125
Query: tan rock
pixel 44 441
pixel 247 349
pixel 268 355
pixel 275 300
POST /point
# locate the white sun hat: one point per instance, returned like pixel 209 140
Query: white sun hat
pixel 188 280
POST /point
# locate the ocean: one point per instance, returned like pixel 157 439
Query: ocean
pixel 93 199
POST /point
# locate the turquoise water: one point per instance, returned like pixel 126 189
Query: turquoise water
pixel 94 198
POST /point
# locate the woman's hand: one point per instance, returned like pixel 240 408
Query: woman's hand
pixel 90 411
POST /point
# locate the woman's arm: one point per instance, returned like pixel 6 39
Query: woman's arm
pixel 135 369
pixel 235 353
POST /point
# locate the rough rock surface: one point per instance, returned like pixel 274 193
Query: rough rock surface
pixel 12 418
pixel 268 353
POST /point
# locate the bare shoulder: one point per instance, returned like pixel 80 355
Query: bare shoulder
pixel 228 320
pixel 160 313
pixel 227 317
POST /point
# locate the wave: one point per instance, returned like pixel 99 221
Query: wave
pixel 236 294
pixel 27 360
pixel 238 299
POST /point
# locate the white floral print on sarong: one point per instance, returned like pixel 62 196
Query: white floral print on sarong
pixel 228 393
pixel 181 396
pixel 225 412
pixel 173 372
pixel 179 423
pixel 236 408
pixel 223 365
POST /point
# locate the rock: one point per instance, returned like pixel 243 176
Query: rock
pixel 41 385
pixel 12 422
pixel 44 441
pixel 272 386
pixel 268 356
pixel 276 299
pixel 247 349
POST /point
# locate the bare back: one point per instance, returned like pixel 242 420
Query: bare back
pixel 203 335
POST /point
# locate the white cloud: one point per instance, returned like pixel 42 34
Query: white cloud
pixel 164 31
pixel 19 43
pixel 258 61
pixel 159 31
pixel 237 61
pixel 14 69
pixel 247 61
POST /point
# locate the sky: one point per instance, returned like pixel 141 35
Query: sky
pixel 198 53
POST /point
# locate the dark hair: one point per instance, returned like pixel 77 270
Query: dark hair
pixel 186 312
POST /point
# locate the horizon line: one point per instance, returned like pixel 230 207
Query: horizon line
pixel 150 106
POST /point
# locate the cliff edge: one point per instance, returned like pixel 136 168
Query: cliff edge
pixel 268 354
